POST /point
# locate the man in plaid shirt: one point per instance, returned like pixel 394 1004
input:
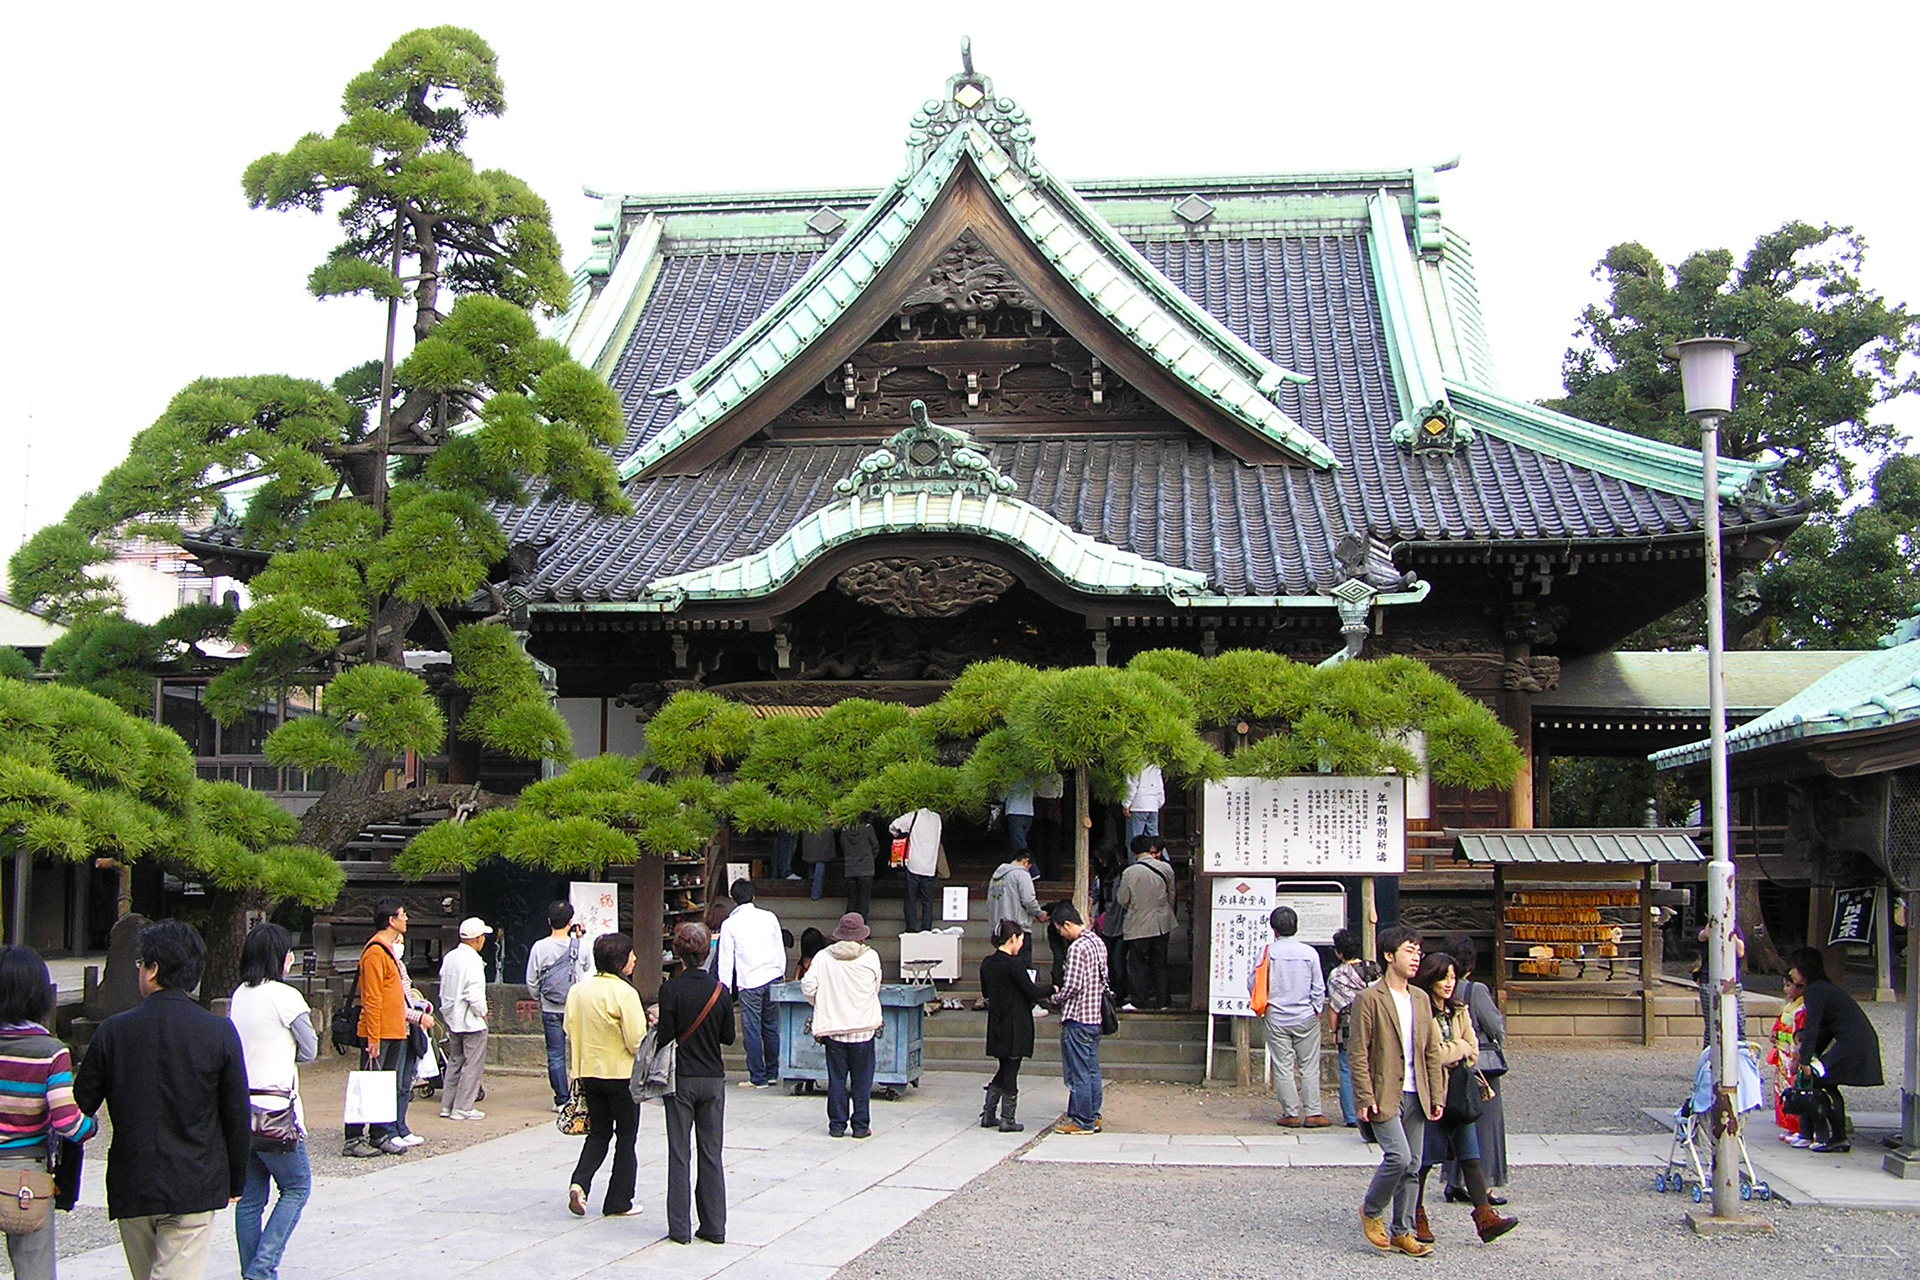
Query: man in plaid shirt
pixel 1078 1000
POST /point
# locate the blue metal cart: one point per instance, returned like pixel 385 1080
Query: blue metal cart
pixel 897 1045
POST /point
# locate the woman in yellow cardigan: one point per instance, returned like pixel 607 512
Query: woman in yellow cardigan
pixel 605 1023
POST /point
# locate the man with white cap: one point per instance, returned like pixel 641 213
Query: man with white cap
pixel 463 1005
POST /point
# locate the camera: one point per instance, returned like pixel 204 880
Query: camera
pixel 578 930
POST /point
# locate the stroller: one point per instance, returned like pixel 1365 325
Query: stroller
pixel 1691 1132
pixel 429 1070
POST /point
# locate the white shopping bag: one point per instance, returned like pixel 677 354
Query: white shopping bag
pixel 372 1097
pixel 428 1065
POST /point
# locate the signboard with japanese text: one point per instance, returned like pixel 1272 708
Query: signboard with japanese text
pixel 1852 917
pixel 953 902
pixel 1322 912
pixel 596 909
pixel 1314 825
pixel 1241 905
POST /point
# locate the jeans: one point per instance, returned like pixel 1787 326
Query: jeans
pixel 1147 976
pixel 1346 1089
pixel 849 1085
pixel 919 903
pixel 1018 824
pixel 1142 822
pixel 817 879
pixel 1396 1183
pixel 1080 1068
pixel 408 1065
pixel 784 843
pixel 1294 1048
pixel 696 1119
pixel 760 1029
pixel 860 895
pixel 260 1249
pixel 553 1026
pixel 612 1118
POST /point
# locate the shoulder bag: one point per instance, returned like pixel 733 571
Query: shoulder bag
pixel 1257 1000
pixel 1493 1052
pixel 345 1025
pixel 897 851
pixel 656 1067
pixel 275 1125
pixel 1109 1014
pixel 26 1196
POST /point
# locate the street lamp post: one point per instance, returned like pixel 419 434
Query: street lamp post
pixel 1706 376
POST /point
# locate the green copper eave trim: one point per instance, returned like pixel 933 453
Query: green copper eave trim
pixel 599 337
pixel 1083 563
pixel 1651 463
pixel 1091 256
pixel 1874 691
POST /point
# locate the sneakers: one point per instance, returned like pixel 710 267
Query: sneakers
pixel 1831 1148
pixel 391 1146
pixel 471 1115
pixel 1129 1007
pixel 1411 1247
pixel 410 1140
pixel 1072 1126
pixel 448 1115
pixel 577 1200
pixel 359 1149
pixel 1375 1230
pixel 555 1108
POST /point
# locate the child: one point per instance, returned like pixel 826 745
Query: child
pixel 1349 978
pixel 1786 1060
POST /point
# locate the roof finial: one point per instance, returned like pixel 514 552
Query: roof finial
pixel 966 55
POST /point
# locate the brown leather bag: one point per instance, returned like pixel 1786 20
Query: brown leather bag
pixel 26 1200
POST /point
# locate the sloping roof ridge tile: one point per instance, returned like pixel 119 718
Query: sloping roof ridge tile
pixel 1653 464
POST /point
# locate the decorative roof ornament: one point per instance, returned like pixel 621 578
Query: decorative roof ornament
pixel 926 458
pixel 1435 430
pixel 970 97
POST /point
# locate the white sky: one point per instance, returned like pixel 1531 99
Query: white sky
pixel 136 266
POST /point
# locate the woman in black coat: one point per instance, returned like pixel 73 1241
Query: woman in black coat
pixel 1838 1045
pixel 1010 996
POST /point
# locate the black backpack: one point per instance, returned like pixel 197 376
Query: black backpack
pixel 346 1021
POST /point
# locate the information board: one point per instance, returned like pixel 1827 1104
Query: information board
pixel 596 909
pixel 1322 912
pixel 1313 826
pixel 1241 905
pixel 1852 917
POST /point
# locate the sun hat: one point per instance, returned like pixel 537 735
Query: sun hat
pixel 852 928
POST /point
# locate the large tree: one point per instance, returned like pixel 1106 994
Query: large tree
pixel 369 506
pixel 1829 354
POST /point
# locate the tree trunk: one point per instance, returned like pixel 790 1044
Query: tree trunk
pixel 226 934
pixel 1082 855
pixel 349 812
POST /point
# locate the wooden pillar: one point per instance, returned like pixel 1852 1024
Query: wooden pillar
pixel 1243 1052
pixel 1516 711
pixel 1082 851
pixel 1542 782
pixel 1649 958
pixel 1499 937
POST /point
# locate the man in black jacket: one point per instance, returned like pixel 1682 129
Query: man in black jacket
pixel 176 1080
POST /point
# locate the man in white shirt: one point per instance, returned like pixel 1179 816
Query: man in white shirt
pixel 753 956
pixel 463 1004
pixel 921 827
pixel 1146 795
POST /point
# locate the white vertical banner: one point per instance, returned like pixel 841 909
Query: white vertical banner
pixel 1241 905
pixel 596 909
pixel 953 902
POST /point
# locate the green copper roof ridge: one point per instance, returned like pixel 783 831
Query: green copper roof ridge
pixel 1265 374
pixel 1669 468
pixel 847 520
pixel 1418 371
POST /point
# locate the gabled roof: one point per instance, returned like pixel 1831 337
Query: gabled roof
pixel 1873 691
pixel 1579 846
pixel 1087 253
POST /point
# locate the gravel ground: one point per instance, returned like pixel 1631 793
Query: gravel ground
pixel 1225 1224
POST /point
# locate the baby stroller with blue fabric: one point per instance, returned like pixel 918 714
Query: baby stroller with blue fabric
pixel 1691 1132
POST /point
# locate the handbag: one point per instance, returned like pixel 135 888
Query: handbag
pixel 275 1125
pixel 1109 1014
pixel 1257 1000
pixel 345 1024
pixel 897 851
pixel 1466 1094
pixel 572 1118
pixel 68 1155
pixel 26 1200
pixel 656 1067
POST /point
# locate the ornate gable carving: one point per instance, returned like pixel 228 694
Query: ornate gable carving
pixel 968 280
pixel 925 457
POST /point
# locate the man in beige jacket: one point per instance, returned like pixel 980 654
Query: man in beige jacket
pixel 843 986
pixel 1398 1085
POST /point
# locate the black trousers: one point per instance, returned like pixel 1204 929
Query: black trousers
pixel 612 1119
pixel 393 1057
pixel 696 1119
pixel 1147 980
pixel 860 895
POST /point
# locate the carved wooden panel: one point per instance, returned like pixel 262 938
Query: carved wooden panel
pixel 967 279
pixel 940 587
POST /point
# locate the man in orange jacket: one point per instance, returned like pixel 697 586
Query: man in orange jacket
pixel 383 1021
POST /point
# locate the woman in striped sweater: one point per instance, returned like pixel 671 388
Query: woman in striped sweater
pixel 36 1092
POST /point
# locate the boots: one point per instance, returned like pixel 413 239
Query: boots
pixel 1421 1231
pixel 1491 1225
pixel 1009 1099
pixel 987 1118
